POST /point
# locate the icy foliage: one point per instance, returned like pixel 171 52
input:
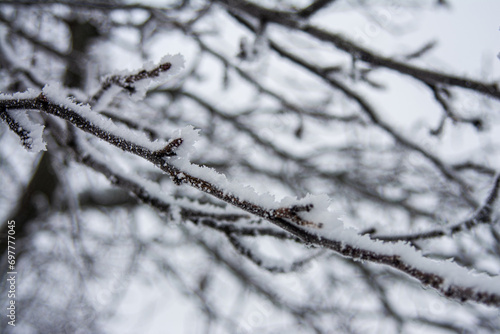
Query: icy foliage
pixel 29 94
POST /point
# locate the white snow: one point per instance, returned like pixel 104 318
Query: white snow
pixel 237 189
pixel 29 94
pixel 57 94
pixel 141 87
pixel 189 137
pixel 220 181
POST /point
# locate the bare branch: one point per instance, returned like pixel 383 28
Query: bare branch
pixel 127 82
pixel 314 7
pixel 426 76
pixel 482 216
pixel 370 111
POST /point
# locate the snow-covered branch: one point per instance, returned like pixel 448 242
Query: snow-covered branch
pixel 137 82
pixel 300 218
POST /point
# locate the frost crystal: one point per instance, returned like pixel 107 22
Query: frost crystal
pixel 32 140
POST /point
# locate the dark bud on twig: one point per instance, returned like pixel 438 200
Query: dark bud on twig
pixel 477 123
pixel 301 208
pixel 369 231
pixel 290 213
pixel 169 149
pixel 177 180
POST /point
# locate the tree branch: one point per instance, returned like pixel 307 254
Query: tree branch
pixel 292 21
pixel 314 7
pixel 482 216
pixel 428 272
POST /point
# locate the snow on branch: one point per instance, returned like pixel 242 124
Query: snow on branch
pixel 301 218
pixel 150 193
pixel 29 132
pixel 137 82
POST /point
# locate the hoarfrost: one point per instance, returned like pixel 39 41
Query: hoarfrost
pixel 33 141
pixel 58 95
